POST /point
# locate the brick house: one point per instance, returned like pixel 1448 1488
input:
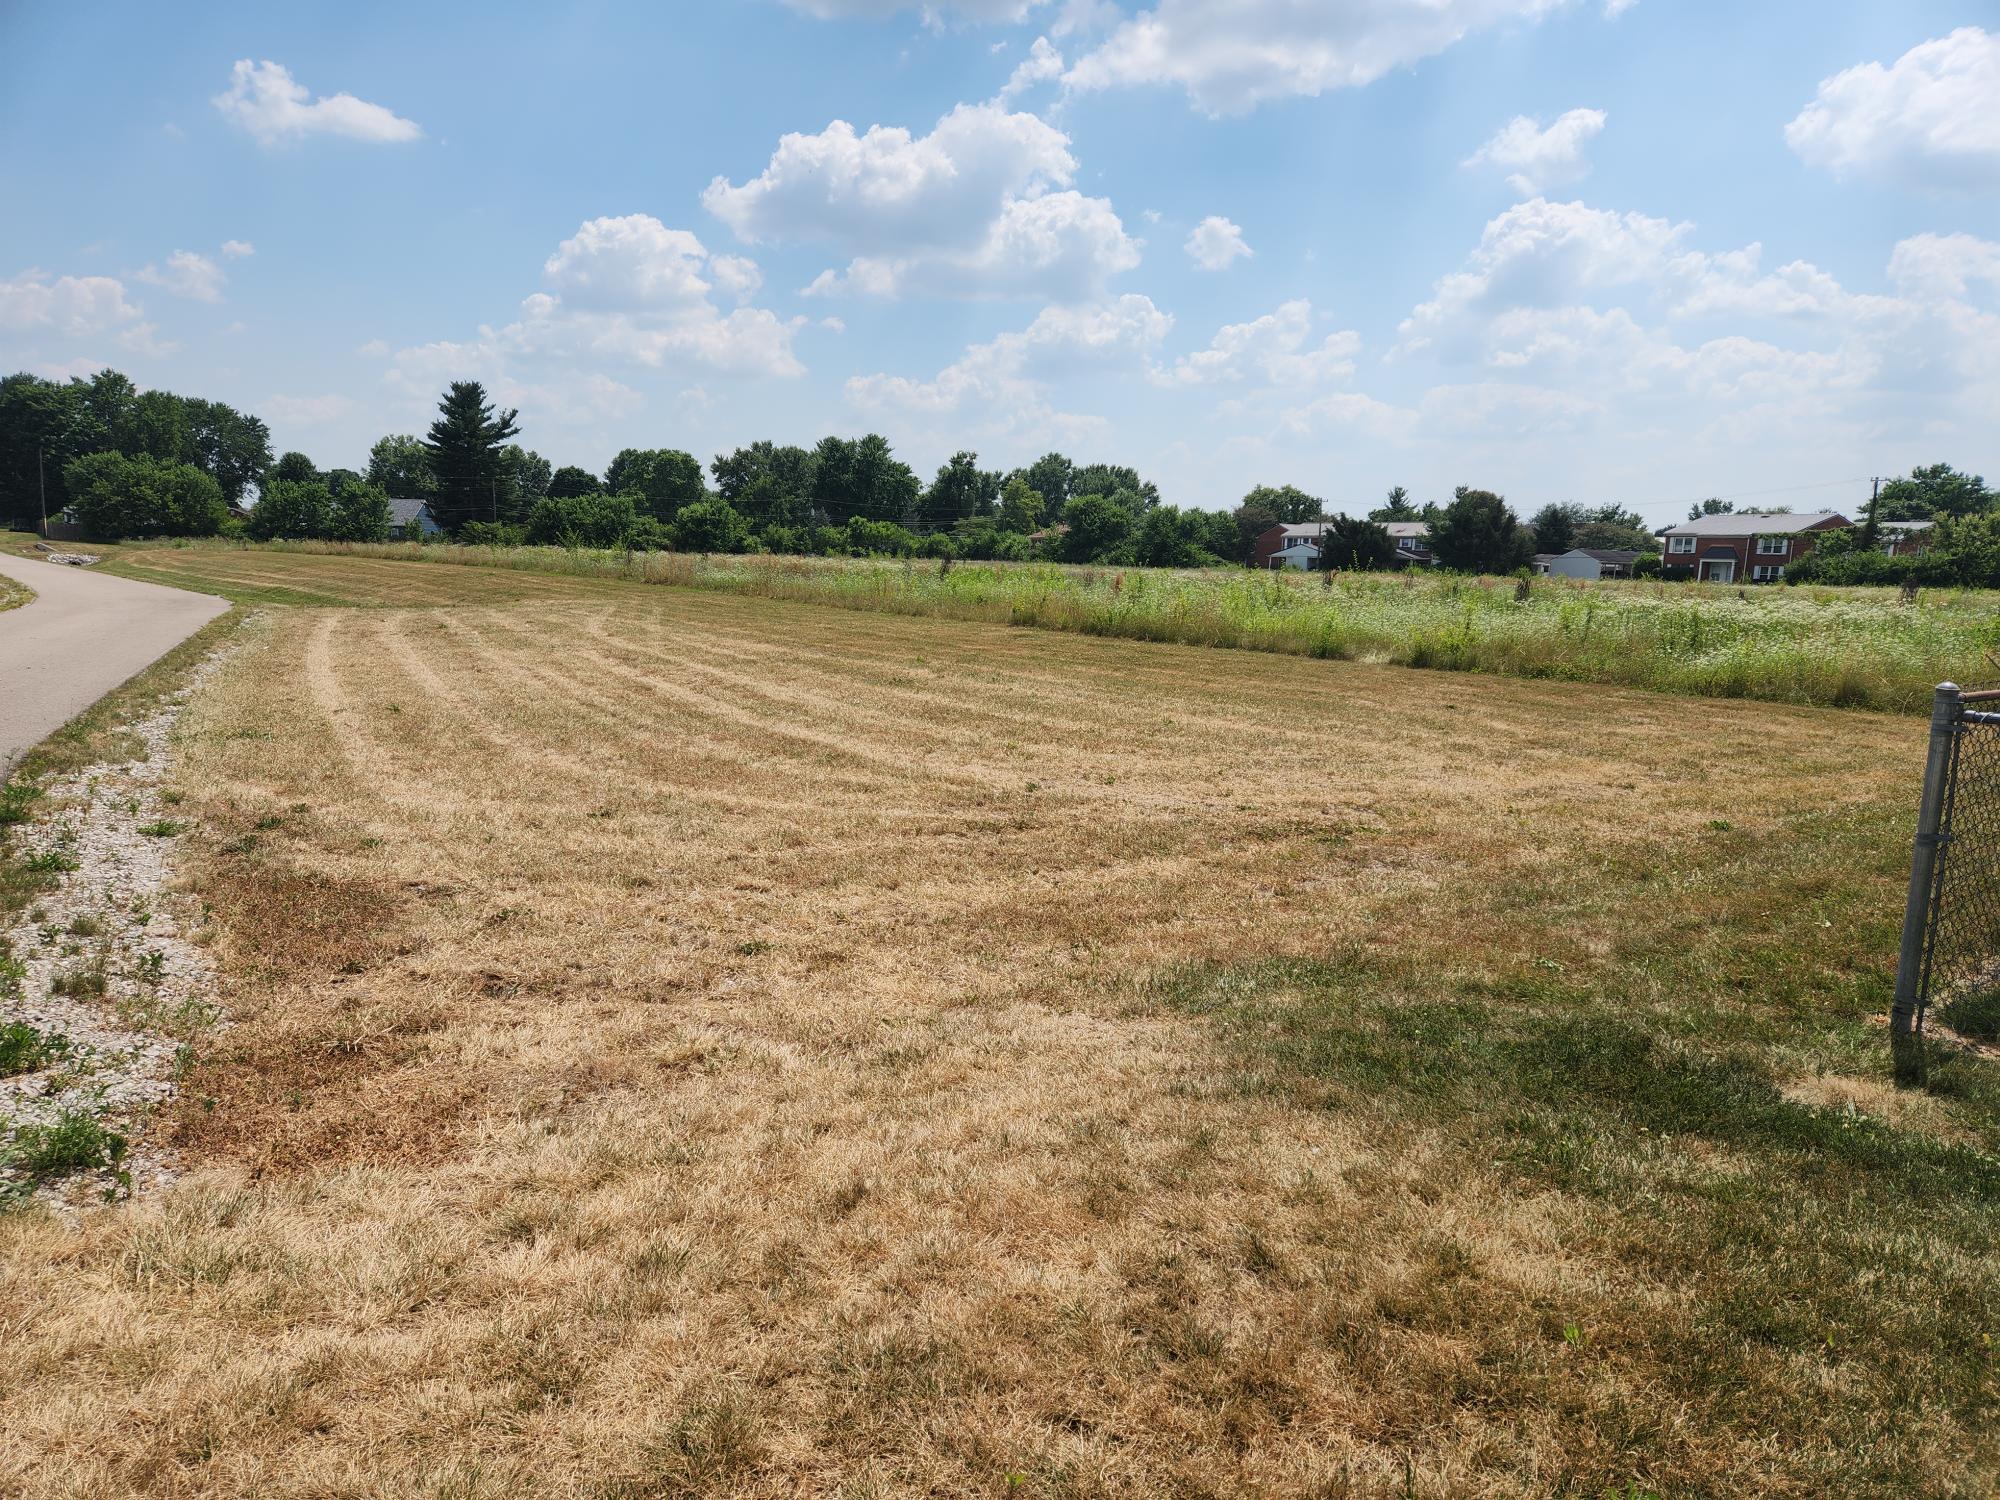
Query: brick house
pixel 1743 548
pixel 1901 538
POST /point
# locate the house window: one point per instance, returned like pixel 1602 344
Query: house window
pixel 1772 546
pixel 1680 544
pixel 1767 572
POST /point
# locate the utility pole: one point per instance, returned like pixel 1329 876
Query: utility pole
pixel 42 479
pixel 1872 532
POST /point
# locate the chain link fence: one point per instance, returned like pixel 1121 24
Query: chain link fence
pixel 1951 923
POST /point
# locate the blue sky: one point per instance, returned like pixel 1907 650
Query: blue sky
pixel 1640 250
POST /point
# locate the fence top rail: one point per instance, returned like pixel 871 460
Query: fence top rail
pixel 1980 695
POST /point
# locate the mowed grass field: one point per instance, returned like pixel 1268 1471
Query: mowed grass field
pixel 695 1045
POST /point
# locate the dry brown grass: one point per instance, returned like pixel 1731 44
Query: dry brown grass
pixel 686 1045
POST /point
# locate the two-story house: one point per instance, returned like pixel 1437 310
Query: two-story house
pixel 1743 548
pixel 1297 545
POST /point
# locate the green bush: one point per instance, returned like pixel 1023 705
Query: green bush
pixel 582 520
pixel 115 497
pixel 711 526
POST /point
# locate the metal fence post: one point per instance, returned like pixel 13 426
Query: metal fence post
pixel 1905 1013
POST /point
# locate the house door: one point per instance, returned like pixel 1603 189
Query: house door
pixel 1721 571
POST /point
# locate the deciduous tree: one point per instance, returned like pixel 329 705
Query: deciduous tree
pixel 1479 533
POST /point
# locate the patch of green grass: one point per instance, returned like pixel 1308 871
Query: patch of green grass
pixel 17 800
pixel 1772 1239
pixel 74 1142
pixel 24 1049
pixel 162 828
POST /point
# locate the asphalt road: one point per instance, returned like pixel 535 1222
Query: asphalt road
pixel 82 634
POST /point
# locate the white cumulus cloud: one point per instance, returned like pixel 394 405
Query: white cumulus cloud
pixel 935 11
pixel 980 207
pixel 1215 243
pixel 1929 117
pixel 264 99
pixel 626 290
pixel 1273 348
pixel 1945 265
pixel 187 274
pixel 1043 64
pixel 1536 158
pixel 1003 386
pixel 1231 55
pixel 76 306
pixel 238 249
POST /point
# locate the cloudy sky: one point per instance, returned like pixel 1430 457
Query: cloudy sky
pixel 1632 250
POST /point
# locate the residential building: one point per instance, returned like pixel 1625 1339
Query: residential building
pixel 1587 562
pixel 1297 544
pixel 1900 538
pixel 1743 548
pixel 411 520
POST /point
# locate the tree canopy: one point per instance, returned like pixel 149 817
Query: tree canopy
pixel 659 480
pixel 1286 502
pixel 46 425
pixel 1479 533
pixel 1932 493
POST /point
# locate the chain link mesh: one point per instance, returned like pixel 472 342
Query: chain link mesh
pixel 1962 959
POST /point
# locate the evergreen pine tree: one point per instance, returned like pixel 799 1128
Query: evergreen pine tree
pixel 464 452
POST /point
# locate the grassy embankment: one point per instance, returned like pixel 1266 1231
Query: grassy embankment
pixel 13 595
pixel 1831 647
pixel 686 1044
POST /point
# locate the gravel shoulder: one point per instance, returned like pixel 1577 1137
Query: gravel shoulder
pixel 104 981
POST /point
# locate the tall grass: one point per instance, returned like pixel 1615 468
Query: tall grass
pixel 1859 648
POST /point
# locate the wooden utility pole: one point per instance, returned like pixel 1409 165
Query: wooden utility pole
pixel 42 481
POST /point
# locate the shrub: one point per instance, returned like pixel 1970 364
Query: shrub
pixel 114 497
pixel 711 526
pixel 492 534
pixel 582 520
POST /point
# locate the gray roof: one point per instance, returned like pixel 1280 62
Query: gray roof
pixel 406 512
pixel 1755 525
pixel 1615 556
pixel 1908 525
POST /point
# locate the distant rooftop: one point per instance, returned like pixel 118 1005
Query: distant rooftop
pixel 1747 524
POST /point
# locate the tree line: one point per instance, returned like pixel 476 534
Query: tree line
pixel 129 463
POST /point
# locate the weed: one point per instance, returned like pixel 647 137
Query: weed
pixel 74 1142
pixel 17 799
pixel 23 1049
pixel 162 828
pixel 83 982
pixel 50 862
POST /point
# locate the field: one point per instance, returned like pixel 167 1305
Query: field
pixel 1861 648
pixel 692 1043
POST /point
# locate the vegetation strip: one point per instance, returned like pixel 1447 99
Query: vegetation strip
pixel 103 985
pixel 1847 648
